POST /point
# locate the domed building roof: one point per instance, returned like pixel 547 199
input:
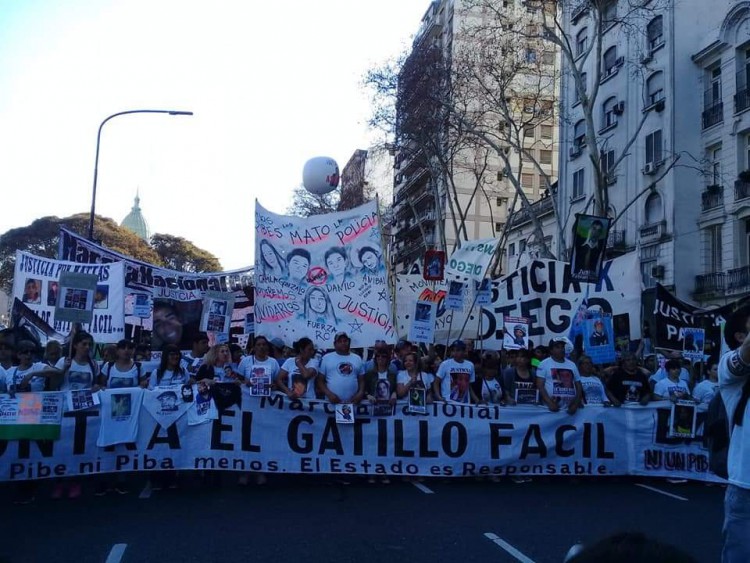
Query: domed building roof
pixel 134 221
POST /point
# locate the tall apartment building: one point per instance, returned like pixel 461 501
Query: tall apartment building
pixel 419 217
pixel 648 94
pixel 721 73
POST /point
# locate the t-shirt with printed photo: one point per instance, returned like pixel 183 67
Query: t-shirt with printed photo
pixel 251 367
pixel 305 388
pixel 675 391
pixel 168 379
pixel 120 379
pixel 492 391
pixel 341 373
pixel 559 379
pixel 705 391
pixel 15 375
pixel 629 388
pixel 593 390
pixel 79 376
pixel 455 380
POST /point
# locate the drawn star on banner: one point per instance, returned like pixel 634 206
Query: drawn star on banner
pixel 356 326
pixel 382 295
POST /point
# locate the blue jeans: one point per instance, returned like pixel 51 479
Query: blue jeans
pixel 736 531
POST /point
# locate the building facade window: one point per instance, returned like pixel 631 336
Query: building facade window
pixel 713 107
pixel 654 148
pixel 713 248
pixel 548 57
pixel 546 131
pixel 646 269
pixel 512 249
pixel 579 134
pixel 582 41
pixel 715 167
pixel 528 132
pixel 655 33
pixel 527 181
pixel 521 246
pixel 499 227
pixel 609 117
pixel 578 188
pixel 608 165
pixel 610 62
pixel 545 157
pixel 655 88
pixel 654 212
pixel 609 14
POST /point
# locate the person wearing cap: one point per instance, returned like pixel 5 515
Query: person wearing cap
pixel 29 375
pixel 123 372
pixel 341 376
pixel 455 376
pixel 629 382
pixel 558 380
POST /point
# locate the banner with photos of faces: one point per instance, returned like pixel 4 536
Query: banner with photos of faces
pixel 36 283
pixel 316 276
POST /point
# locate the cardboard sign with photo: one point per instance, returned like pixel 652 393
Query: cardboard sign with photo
pixel 589 244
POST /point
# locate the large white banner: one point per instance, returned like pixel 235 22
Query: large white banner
pixel 279 435
pixel 173 300
pixel 36 282
pixel 449 324
pixel 470 262
pixel 319 275
pixel 544 292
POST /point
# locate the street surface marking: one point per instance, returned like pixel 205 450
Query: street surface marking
pixel 424 488
pixel 146 492
pixel 116 553
pixel 507 547
pixel 678 497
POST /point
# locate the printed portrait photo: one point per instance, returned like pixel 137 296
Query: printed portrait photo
pixel 32 291
pixel 53 290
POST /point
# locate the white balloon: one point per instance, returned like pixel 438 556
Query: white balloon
pixel 320 175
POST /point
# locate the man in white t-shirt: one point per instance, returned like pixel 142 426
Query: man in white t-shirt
pixel 341 376
pixel 558 380
pixel 734 373
pixel 194 359
pixel 454 378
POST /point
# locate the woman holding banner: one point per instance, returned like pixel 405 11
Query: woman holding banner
pixel 171 371
pixel 29 375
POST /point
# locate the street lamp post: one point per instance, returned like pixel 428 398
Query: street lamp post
pixel 96 161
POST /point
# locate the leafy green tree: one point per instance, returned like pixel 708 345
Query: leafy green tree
pixel 42 237
pixel 306 204
pixel 180 254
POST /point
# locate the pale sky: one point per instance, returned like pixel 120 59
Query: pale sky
pixel 271 85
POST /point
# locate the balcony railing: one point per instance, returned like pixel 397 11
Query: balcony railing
pixel 539 208
pixel 742 97
pixel 741 190
pixel 738 279
pixel 713 114
pixel 653 230
pixel 712 198
pixel 616 240
pixel 710 283
pixel 741 100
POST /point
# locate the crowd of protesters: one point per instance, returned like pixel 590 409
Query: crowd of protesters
pixel 553 376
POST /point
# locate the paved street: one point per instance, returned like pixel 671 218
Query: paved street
pixel 291 519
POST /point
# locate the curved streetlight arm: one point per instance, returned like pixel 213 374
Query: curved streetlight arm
pixel 96 160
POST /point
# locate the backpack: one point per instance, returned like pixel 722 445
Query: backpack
pixel 717 430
